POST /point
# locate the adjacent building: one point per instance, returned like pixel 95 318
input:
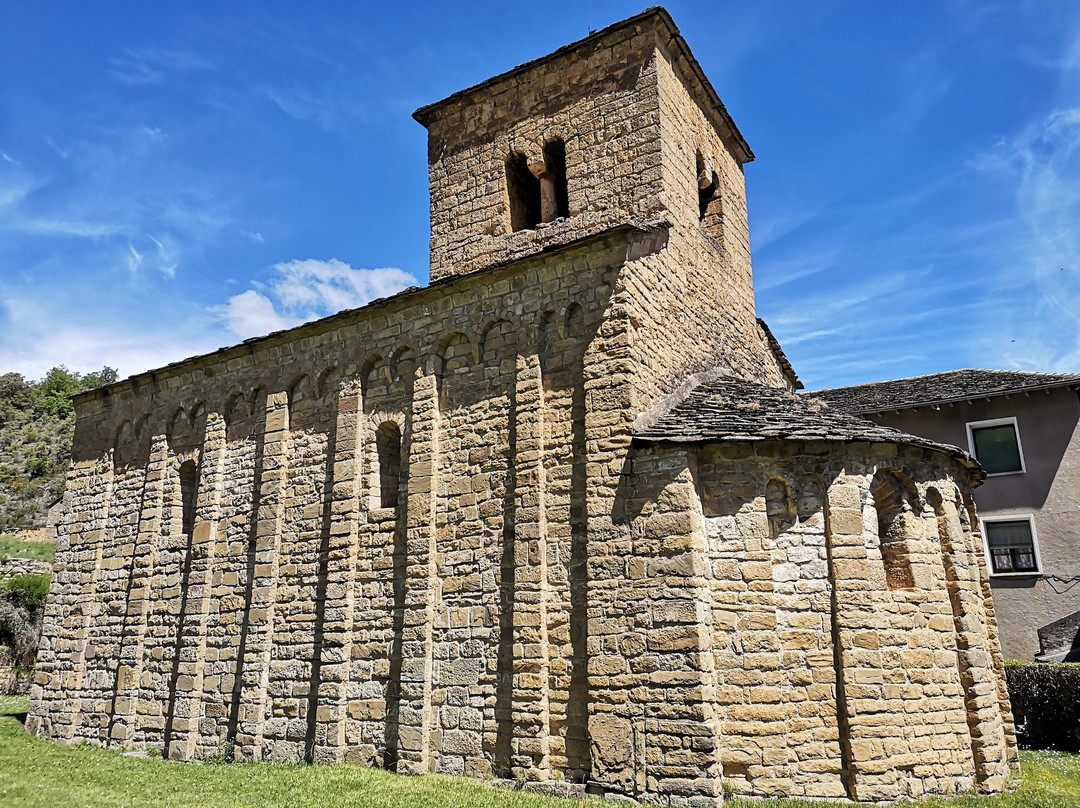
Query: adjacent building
pixel 1024 429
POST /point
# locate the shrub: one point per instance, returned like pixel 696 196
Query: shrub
pixel 1046 703
pixel 28 590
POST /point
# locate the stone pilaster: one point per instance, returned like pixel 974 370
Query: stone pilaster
pixel 338 608
pixel 260 637
pixel 421 580
pixel 194 693
pixel 92 543
pixel 531 710
pixel 974 658
pixel 126 717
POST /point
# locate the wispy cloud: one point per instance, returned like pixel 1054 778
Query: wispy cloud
pixel 40 335
pixel 303 290
pixel 1043 164
pixel 143 66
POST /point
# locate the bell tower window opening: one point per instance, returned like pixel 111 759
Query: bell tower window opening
pixel 388 448
pixel 554 198
pixel 524 191
pixel 538 192
pixel 710 212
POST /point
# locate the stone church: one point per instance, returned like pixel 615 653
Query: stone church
pixel 557 516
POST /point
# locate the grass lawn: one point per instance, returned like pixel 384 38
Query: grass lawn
pixel 38 774
pixel 11 547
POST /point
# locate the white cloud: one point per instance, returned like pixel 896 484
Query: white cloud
pixel 250 314
pixel 305 290
pixel 329 286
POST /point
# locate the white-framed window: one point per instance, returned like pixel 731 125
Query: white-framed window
pixel 1011 544
pixel 996 445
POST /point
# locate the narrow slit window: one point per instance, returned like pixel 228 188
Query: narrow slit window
pixel 708 184
pixel 524 191
pixel 388 447
pixel 189 483
pixel 555 200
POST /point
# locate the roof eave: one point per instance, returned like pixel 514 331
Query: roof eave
pixel 426 114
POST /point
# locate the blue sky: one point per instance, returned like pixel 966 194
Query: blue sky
pixel 177 176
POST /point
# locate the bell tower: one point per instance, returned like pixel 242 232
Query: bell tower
pixel 573 143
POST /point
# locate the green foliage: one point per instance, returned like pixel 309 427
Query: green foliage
pixel 11 547
pixel 36 425
pixel 1046 703
pixel 13 705
pixel 27 590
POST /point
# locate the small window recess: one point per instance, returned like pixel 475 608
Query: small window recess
pixel 538 193
pixel 894 512
pixel 996 445
pixel 189 485
pixel 1011 545
pixel 388 448
pixel 710 208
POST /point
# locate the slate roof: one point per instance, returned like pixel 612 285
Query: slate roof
pixel 940 388
pixel 781 357
pixel 730 409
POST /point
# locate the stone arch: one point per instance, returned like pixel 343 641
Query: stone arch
pixel 324 381
pixel 811 498
pixel 896 506
pixel 573 320
pixel 236 407
pixel 367 368
pixel 299 389
pixel 123 444
pixel 180 429
pixel 456 355
pixel 779 506
pixel 404 363
pixel 497 344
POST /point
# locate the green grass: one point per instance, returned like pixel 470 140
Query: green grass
pixel 11 547
pixel 38 774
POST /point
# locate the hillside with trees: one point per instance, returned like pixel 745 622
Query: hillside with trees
pixel 37 421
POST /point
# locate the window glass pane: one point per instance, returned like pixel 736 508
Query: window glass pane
pixel 1011 546
pixel 1002 561
pixel 1024 560
pixel 996 448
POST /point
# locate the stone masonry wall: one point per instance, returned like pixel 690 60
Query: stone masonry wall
pixel 602 104
pixel 228 577
pixel 817 678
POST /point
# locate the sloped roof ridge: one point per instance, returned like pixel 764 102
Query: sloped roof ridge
pixel 919 391
pixel 717 407
pixel 426 113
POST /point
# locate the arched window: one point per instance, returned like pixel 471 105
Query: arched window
pixel 537 193
pixel 388 447
pixel 524 191
pixel 554 198
pixel 778 506
pixel 189 483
